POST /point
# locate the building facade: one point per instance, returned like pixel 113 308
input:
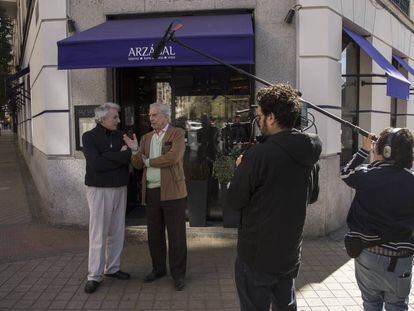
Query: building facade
pixel 312 51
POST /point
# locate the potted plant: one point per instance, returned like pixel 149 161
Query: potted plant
pixel 223 171
pixel 197 174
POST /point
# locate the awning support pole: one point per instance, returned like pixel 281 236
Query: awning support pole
pixel 363 83
pixel 364 75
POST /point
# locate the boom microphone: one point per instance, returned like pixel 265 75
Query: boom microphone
pixel 169 35
pixel 163 42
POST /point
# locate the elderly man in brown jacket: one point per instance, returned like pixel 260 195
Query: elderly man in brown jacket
pixel 160 155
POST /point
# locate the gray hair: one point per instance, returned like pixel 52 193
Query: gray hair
pixel 163 108
pixel 102 110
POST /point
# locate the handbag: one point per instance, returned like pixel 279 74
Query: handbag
pixel 313 188
pixel 354 246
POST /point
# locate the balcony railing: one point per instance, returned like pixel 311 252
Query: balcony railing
pixel 403 5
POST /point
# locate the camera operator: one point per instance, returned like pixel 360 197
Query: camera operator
pixel 381 219
pixel 270 187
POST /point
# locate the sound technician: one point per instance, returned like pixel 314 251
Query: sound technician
pixel 381 219
pixel 270 188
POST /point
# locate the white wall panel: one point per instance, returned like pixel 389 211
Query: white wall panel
pixel 359 12
pixel 320 45
pixel 39 135
pixel 57 131
pixel 31 40
pixel 411 49
pixel 370 13
pixel 395 32
pixel 335 5
pixel 410 104
pixel 380 100
pixel 50 90
pixel 50 33
pixel 406 40
pixel 382 27
pixel 52 9
pixel 379 122
pixel 320 33
pixel 348 9
pixel 51 133
pixel 320 83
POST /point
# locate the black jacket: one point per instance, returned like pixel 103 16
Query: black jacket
pixel 106 164
pixel 383 207
pixel 270 187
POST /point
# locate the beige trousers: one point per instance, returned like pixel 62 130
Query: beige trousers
pixel 106 229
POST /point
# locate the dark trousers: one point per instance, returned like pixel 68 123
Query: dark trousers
pixel 170 214
pixel 258 290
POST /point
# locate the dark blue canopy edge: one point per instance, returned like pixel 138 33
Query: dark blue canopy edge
pixel 130 42
pixel 404 64
pixel 397 85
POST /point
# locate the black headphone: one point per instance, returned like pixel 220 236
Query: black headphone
pixel 387 151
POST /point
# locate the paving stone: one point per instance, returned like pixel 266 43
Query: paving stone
pixel 41 304
pixel 75 305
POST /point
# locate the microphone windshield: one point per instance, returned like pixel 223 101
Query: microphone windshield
pixel 167 36
pixel 161 44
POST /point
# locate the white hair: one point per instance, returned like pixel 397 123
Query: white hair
pixel 102 110
pixel 162 108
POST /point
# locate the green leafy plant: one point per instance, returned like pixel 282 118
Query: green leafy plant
pixel 223 168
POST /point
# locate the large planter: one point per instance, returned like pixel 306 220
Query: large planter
pixel 197 202
pixel 231 217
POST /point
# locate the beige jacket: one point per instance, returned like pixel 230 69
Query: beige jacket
pixel 170 162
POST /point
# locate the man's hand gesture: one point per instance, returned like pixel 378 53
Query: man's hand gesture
pixel 131 143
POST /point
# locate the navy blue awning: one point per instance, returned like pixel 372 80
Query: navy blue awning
pixel 397 85
pixel 15 91
pixel 130 42
pixel 18 74
pixel 404 64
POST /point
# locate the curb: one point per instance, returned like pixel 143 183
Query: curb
pixel 139 233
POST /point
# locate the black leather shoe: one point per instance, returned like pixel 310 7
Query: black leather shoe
pixel 179 284
pixel 91 287
pixel 153 276
pixel 119 275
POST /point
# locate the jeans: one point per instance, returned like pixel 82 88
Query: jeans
pixel 379 286
pixel 258 290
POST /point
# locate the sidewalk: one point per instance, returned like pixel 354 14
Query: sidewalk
pixel 14 206
pixel 44 267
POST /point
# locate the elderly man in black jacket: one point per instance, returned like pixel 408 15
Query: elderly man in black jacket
pixel 270 187
pixel 106 179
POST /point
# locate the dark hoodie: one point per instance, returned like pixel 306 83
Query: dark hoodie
pixel 270 187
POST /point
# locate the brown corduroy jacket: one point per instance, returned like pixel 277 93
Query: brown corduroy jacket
pixel 170 162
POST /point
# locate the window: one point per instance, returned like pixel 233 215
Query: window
pixel 403 5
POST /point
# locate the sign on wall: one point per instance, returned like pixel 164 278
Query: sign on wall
pixel 84 121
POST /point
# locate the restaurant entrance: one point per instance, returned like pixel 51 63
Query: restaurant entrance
pixel 211 103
